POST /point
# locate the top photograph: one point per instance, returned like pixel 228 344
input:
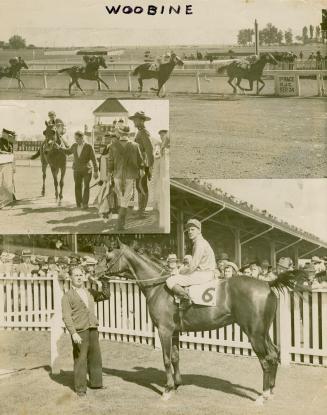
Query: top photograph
pixel 253 83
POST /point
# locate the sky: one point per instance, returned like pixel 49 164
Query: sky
pixel 87 23
pixel 75 114
pixel 302 203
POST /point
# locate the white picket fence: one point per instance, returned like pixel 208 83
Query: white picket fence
pixel 30 303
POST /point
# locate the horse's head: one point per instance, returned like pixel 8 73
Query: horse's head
pixel 117 262
pixel 101 61
pixel 50 138
pixel 268 58
pixel 176 60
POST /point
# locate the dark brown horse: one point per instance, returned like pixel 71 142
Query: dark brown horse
pixel 163 73
pixel 249 302
pixel 89 73
pixel 13 71
pixel 51 154
pixel 250 68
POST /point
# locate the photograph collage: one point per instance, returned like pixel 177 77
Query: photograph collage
pixel 163 207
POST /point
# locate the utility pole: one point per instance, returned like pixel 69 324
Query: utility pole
pixel 256 44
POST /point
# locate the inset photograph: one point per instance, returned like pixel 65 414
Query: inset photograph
pixel 84 166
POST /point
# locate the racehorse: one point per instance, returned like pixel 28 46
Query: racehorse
pixel 250 68
pixel 249 302
pixel 163 73
pixel 52 155
pixel 13 71
pixel 90 73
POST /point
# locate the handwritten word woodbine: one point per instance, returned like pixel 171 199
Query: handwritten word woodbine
pixel 150 10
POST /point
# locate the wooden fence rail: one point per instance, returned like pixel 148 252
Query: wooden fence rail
pixel 34 303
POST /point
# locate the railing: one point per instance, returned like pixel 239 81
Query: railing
pixel 28 145
pixel 33 303
pixel 182 80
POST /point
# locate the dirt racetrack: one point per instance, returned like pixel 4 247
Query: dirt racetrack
pixel 134 377
pixel 36 214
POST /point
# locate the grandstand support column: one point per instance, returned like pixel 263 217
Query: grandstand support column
pixel 273 261
pixel 74 243
pixel 238 248
pixel 296 256
pixel 180 235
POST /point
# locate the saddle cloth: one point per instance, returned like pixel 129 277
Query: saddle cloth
pixel 204 294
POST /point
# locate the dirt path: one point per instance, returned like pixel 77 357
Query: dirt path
pixel 134 376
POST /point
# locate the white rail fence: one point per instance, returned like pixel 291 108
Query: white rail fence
pixel 34 303
pixel 182 80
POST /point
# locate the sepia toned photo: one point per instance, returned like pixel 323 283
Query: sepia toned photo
pixel 85 166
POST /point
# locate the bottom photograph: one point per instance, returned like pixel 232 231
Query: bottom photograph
pixel 236 293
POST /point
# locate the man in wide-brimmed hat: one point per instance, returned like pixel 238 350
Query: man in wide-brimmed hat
pixel 125 164
pixel 7 140
pixel 202 266
pixel 143 140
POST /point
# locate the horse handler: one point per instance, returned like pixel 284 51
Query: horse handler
pixel 201 268
pixel 81 322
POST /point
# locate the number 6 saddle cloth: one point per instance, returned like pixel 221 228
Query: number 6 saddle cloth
pixel 204 294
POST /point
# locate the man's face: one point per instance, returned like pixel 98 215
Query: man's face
pixel 138 122
pixel 193 232
pixel 52 117
pixel 247 272
pixel 79 139
pixel 77 277
pixel 228 272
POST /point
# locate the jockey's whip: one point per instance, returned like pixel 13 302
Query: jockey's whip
pixel 99 183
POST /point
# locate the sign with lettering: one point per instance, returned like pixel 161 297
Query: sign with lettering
pixel 287 85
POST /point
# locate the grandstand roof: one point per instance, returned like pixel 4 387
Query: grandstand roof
pixel 279 228
pixel 110 106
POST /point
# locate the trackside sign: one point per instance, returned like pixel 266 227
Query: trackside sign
pixel 287 85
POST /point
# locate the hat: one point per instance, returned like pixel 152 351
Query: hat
pixel 141 115
pixel 51 113
pixel 193 223
pixel 187 257
pixel 309 268
pixel 162 131
pixel 244 267
pixel 88 260
pixel 171 258
pixel 26 252
pixel 232 265
pixel 315 259
pixel 10 135
pixel 265 262
pixel 285 262
pixel 223 256
pixel 123 131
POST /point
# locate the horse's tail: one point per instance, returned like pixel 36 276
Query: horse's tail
pixel 36 155
pixel 286 279
pixel 64 70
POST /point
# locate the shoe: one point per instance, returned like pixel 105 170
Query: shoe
pixel 81 394
pixel 98 387
pixel 78 206
pixel 85 207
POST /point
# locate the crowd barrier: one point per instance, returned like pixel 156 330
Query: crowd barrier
pixel 34 303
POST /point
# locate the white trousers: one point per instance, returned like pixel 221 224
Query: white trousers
pixel 196 278
pixel 124 199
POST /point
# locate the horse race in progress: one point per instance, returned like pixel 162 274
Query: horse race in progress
pixel 163 207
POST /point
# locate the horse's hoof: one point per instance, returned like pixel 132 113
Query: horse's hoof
pixel 261 400
pixel 167 395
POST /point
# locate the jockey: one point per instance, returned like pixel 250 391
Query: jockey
pixel 58 125
pixel 202 266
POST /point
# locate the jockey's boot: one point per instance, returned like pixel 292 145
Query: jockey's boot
pixel 121 219
pixel 183 295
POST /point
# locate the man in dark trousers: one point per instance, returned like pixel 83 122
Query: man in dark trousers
pixel 78 315
pixel 143 140
pixel 125 164
pixel 84 158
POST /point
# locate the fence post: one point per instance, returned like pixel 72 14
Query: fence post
pixel 56 325
pixel 157 342
pixel 284 320
pixel 45 81
pixel 164 195
pixel 198 83
pixel 129 80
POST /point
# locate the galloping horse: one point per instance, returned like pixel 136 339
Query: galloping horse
pixel 90 73
pixel 13 71
pixel 249 302
pixel 162 74
pixel 250 68
pixel 52 155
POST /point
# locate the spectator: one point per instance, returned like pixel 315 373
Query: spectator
pixel 318 264
pixel 246 270
pixel 230 270
pixel 256 271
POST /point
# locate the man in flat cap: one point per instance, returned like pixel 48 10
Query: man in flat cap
pixel 125 164
pixel 202 266
pixel 143 140
pixel 7 140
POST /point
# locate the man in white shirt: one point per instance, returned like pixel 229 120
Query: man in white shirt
pixel 202 266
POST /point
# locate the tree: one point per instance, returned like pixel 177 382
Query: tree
pixel 288 37
pixel 244 36
pixel 279 36
pixel 305 34
pixel 311 31
pixel 317 32
pixel 270 34
pixel 17 42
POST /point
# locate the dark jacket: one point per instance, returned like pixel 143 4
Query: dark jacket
pixel 5 145
pixel 75 314
pixel 125 160
pixel 143 140
pixel 86 159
